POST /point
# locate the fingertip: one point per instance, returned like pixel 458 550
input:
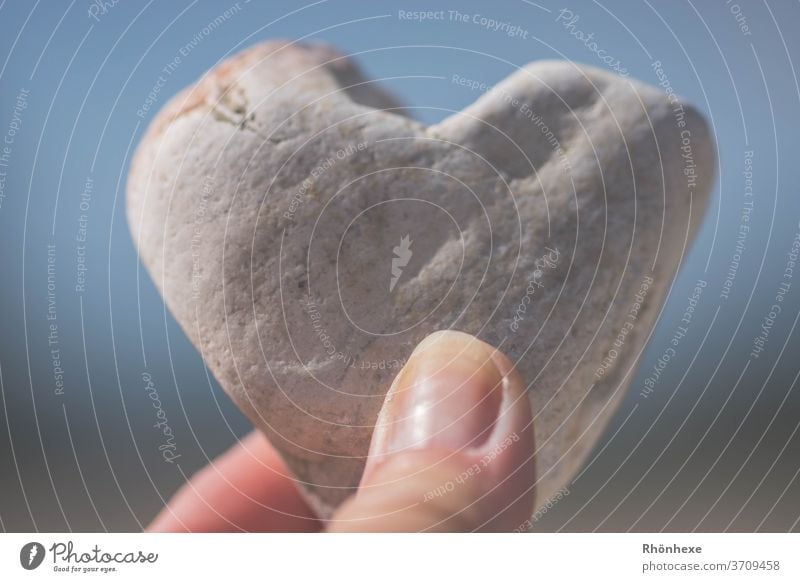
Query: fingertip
pixel 453 448
pixel 247 488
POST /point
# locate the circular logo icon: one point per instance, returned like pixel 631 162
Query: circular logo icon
pixel 31 555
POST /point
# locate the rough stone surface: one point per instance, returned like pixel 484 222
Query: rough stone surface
pixel 269 200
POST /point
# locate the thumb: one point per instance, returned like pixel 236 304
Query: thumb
pixel 453 446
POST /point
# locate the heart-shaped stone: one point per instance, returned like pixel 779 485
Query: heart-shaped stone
pixel 307 234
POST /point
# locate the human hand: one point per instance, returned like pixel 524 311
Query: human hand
pixel 452 450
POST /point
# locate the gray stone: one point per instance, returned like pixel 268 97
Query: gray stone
pixel 306 234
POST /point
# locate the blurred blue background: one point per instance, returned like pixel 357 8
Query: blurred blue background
pixel 714 447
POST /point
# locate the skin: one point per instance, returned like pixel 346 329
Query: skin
pixel 453 450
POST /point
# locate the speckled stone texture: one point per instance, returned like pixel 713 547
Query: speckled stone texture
pixel 275 202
